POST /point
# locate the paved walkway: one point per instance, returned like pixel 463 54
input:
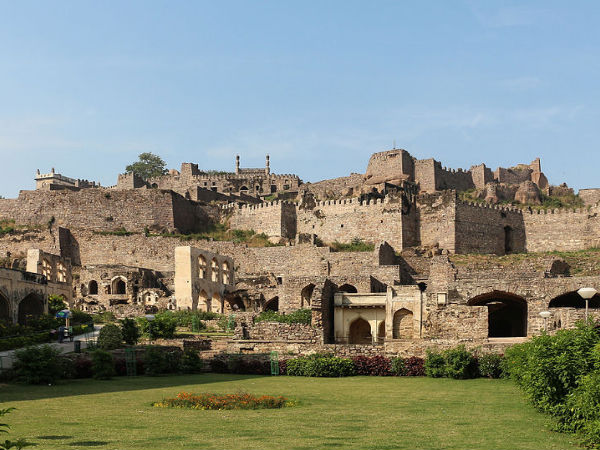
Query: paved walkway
pixel 7 357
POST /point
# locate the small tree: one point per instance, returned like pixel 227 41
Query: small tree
pixel 130 331
pixel 55 304
pixel 110 337
pixel 103 365
pixel 149 165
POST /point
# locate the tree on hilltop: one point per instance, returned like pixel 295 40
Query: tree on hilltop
pixel 147 166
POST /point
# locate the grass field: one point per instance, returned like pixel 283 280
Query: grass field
pixel 344 413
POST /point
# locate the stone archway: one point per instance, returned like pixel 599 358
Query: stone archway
pixel 507 313
pixel 204 301
pixel 402 325
pixel 118 286
pixel 272 305
pixel 574 300
pixel 235 303
pixel 360 332
pixel 4 309
pixel 348 288
pixel 31 306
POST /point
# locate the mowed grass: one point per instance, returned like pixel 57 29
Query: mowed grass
pixel 341 413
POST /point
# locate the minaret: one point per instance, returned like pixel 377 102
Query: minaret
pixel 237 164
pixel 267 168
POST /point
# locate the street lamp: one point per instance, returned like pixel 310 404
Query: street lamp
pixel 586 293
pixel 545 315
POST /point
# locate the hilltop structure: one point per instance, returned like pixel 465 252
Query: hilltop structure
pixel 406 256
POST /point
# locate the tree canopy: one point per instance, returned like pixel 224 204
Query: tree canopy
pixel 148 165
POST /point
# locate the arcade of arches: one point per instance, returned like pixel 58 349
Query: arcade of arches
pixel 30 306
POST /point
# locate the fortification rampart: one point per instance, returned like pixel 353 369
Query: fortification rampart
pixel 345 220
pixel 105 210
pixel 562 229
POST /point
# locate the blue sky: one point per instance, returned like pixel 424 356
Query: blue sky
pixel 85 86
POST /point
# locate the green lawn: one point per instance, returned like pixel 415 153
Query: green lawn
pixel 344 413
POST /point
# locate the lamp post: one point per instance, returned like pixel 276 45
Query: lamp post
pixel 545 315
pixel 586 293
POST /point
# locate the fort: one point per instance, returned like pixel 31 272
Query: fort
pixel 406 256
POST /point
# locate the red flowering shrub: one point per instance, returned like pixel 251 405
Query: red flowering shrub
pixel 372 365
pixel 223 401
pixel 83 368
pixel 415 367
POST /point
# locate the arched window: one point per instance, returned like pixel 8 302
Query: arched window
pixel 47 269
pixel 226 273
pixel 202 268
pixel 61 273
pixel 508 239
pixel 214 268
pixel 118 286
pixel 93 287
pixel 306 295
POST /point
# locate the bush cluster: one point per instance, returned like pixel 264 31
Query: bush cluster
pixel 299 316
pixel 162 327
pixel 320 365
pixel 457 363
pixel 560 374
pixel 45 365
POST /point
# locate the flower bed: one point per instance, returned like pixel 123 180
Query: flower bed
pixel 223 401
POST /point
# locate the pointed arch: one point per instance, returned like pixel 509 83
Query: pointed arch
pixel 226 272
pixel 217 303
pixel 348 288
pixel 47 269
pixel 272 305
pixel 93 287
pixel 214 270
pixel 202 267
pixel 507 313
pixel 118 286
pixel 402 325
pixel 203 301
pixel 360 332
pixel 30 306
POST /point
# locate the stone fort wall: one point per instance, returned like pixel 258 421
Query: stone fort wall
pixel 106 210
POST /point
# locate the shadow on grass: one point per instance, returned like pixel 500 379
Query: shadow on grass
pixel 68 388
pixel 88 443
pixel 54 437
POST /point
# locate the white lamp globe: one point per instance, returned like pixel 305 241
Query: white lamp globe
pixel 587 292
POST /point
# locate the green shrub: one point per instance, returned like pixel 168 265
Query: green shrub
pixel 55 304
pixel 104 317
pixel 548 368
pixel 490 365
pixel 190 362
pixel 103 365
pixel 320 366
pixel 162 327
pixel 160 360
pixel 435 365
pixel 398 367
pixel 459 363
pixel 130 331
pixel 110 337
pixel 299 316
pixel 81 317
pixel 37 365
